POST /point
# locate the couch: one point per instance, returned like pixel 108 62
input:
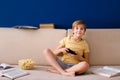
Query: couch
pixel 17 44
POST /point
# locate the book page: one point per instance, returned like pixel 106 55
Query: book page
pixel 112 68
pixel 106 71
pixel 5 66
pixel 14 73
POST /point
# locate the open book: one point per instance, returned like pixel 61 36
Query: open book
pixel 4 66
pixel 108 71
pixel 13 73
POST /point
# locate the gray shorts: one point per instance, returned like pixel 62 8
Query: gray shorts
pixel 64 65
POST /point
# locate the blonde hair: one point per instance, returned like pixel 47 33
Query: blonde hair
pixel 78 22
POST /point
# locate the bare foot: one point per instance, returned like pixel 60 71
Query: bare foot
pixel 53 71
pixel 71 74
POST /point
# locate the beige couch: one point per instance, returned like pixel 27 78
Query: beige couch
pixel 16 44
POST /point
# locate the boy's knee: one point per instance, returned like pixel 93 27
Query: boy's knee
pixel 47 50
pixel 85 64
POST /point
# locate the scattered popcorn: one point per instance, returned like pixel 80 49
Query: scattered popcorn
pixel 26 64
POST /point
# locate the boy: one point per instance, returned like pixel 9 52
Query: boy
pixel 73 62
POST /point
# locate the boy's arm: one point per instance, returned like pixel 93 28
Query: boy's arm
pixel 86 57
pixel 59 49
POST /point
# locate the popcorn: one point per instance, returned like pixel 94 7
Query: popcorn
pixel 26 64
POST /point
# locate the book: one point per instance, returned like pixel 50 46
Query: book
pixel 4 66
pixel 13 73
pixel 107 71
pixel 25 27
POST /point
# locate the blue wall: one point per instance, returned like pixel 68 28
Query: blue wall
pixel 96 13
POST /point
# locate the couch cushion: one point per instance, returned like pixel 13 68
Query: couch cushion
pixel 16 44
pixel 104 46
pixel 40 73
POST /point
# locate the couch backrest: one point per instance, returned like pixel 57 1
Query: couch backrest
pixel 16 44
pixel 104 46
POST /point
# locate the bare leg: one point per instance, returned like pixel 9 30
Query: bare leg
pixel 79 68
pixel 51 58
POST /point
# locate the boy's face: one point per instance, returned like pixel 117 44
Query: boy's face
pixel 79 30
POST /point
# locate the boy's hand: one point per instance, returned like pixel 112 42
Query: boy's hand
pixel 71 51
pixel 79 57
pixel 64 50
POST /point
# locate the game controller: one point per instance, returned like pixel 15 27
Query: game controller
pixel 70 51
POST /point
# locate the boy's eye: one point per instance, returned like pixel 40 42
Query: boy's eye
pixel 76 28
pixel 80 28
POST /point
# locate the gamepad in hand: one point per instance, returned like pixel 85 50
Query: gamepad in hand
pixel 71 51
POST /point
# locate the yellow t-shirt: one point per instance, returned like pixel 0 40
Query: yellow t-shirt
pixel 80 47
